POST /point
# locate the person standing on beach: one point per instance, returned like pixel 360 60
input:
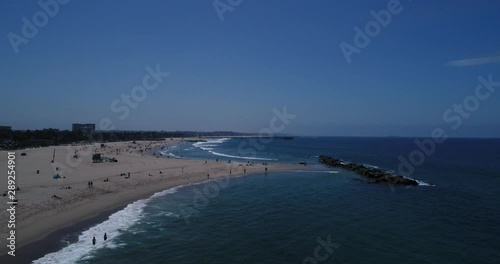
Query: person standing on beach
pixel 93 241
pixel 105 236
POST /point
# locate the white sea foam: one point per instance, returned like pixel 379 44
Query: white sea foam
pixel 240 157
pixel 318 171
pixel 171 214
pixel 175 156
pixel 421 183
pixel 116 224
pixel 202 146
pixel 209 144
pixel 207 149
pixel 166 153
pixel 370 166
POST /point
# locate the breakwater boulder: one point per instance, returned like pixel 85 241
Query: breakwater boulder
pixel 377 175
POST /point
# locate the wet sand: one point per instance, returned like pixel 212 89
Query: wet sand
pixel 39 214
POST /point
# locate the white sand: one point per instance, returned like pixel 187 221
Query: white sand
pixel 39 214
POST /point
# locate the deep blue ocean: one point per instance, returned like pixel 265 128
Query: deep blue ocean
pixel 315 215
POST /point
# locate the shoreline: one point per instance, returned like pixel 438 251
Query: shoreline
pixel 51 242
pixel 40 216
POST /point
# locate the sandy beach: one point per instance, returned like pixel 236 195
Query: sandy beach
pixel 47 204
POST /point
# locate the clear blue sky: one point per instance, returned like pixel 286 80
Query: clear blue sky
pixel 230 74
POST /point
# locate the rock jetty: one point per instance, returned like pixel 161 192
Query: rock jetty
pixel 377 175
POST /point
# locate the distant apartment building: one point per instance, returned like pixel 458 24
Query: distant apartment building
pixel 85 128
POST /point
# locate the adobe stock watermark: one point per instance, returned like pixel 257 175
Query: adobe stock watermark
pixel 453 116
pixel 30 27
pixel 138 94
pixel 223 6
pixel 372 29
pixel 322 252
pixel 122 106
pixel 277 124
pixel 201 199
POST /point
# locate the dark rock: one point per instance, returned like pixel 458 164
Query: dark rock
pixel 377 175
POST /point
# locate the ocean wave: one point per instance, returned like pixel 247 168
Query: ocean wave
pixel 421 183
pixel 166 153
pixel 207 149
pixel 240 157
pixel 171 214
pixel 116 224
pixel 370 166
pixel 202 146
pixel 175 156
pixel 318 171
pixel 83 248
pixel 209 144
pixel 159 214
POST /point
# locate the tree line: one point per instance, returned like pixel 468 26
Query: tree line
pixel 16 139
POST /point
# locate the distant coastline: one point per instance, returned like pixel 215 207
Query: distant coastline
pixel 20 139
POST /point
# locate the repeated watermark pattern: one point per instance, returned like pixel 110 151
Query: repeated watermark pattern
pixel 454 116
pixel 363 37
pixel 31 27
pixel 138 94
pixel 277 124
pixel 223 6
pixel 322 252
pixel 201 199
pixel 121 106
